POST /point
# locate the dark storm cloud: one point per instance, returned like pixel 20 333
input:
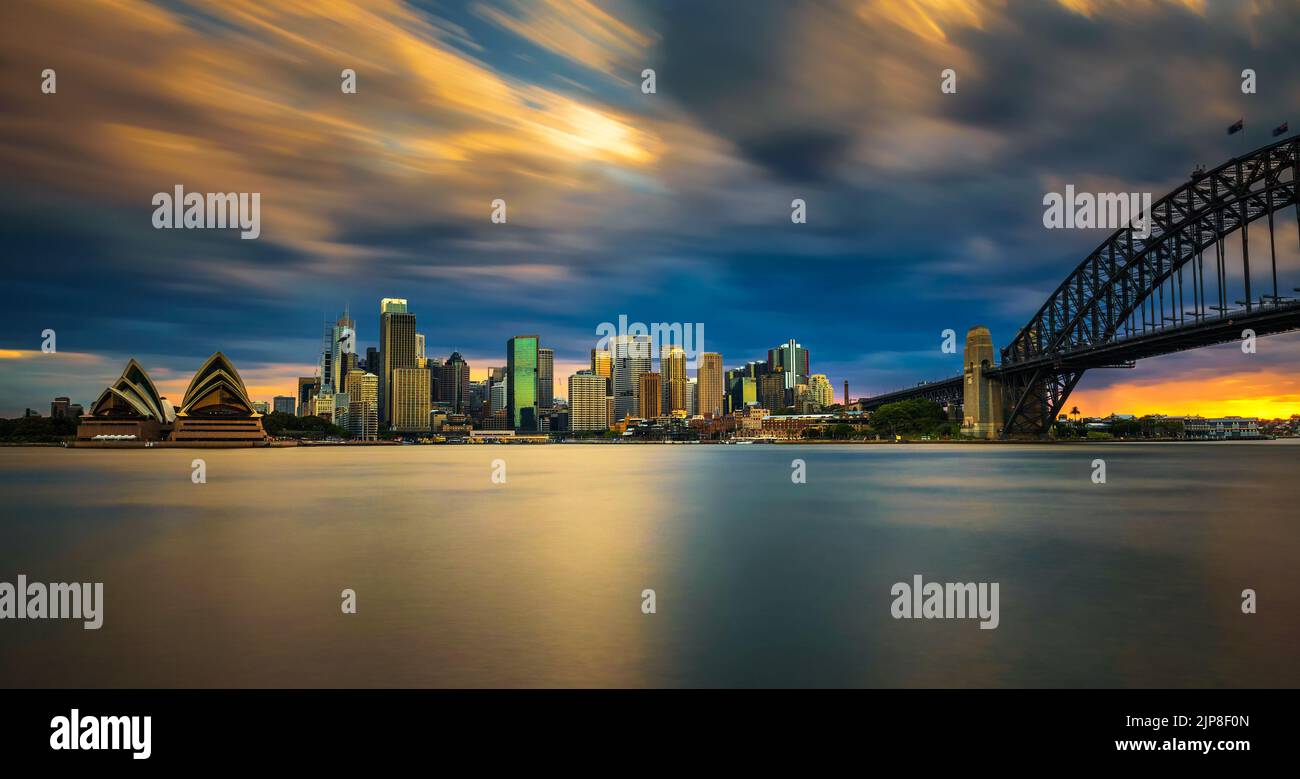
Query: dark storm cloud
pixel 924 209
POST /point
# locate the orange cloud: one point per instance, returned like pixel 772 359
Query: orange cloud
pixel 149 98
pixel 579 30
pixel 52 357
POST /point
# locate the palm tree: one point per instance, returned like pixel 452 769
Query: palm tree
pixel 1074 412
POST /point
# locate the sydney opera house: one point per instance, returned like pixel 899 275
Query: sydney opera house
pixel 215 412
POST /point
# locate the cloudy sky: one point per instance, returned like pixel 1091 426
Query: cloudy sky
pixel 924 209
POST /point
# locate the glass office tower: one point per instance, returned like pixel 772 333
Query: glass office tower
pixel 521 382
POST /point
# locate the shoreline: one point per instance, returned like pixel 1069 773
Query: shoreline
pixel 128 445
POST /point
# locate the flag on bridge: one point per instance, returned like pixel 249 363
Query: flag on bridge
pixel 1236 126
pixel 1280 129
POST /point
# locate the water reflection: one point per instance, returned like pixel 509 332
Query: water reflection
pixel 759 581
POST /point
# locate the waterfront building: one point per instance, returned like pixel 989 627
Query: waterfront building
pixel 283 404
pixel 343 352
pixel 791 359
pixel 631 358
pixel 819 387
pixel 216 410
pixel 772 390
pixel 672 367
pixel 435 379
pixel 59 407
pixel 602 363
pixel 262 407
pixel 494 421
pixel 545 380
pixel 711 402
pixel 454 384
pixel 64 408
pixel 396 349
pixel 793 426
pixel 342 402
pixel 308 386
pixel 363 405
pixel 749 422
pixel 323 405
pixel 1221 428
pixel 742 391
pixel 650 395
pixel 480 397
pixel 130 407
pixel 521 382
pixel 410 400
pixel 497 400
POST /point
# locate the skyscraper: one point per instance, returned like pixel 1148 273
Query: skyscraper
pixel 649 396
pixel 631 358
pixel 410 410
pixel 308 386
pixel 587 407
pixel 742 390
pixel 709 378
pixel 347 361
pixel 435 378
pixel 283 404
pixel 453 388
pixel 602 363
pixel 363 405
pixel 339 415
pixel 821 390
pixel 521 382
pixel 343 352
pixel 545 379
pixel 672 364
pixel 419 350
pixel 792 359
pixel 772 391
pixel 497 397
pixel 325 363
pixel 396 348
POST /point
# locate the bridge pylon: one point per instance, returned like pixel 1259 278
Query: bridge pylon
pixel 982 401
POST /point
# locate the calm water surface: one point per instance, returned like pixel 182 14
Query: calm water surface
pixel 760 581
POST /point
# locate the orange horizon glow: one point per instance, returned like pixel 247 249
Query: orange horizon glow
pixel 1263 394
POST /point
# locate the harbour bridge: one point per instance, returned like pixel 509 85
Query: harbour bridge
pixel 1135 297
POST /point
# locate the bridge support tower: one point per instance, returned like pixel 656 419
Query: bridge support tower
pixel 982 400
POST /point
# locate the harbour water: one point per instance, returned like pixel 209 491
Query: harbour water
pixel 759 581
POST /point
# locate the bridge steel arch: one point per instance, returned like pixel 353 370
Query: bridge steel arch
pixel 1114 293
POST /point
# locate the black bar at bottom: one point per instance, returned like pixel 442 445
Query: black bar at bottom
pixel 331 728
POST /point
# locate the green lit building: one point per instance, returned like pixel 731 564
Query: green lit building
pixel 521 382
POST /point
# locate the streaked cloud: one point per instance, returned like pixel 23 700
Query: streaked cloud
pixel 924 208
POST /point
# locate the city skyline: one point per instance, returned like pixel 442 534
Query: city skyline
pixel 923 209
pixel 482 368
